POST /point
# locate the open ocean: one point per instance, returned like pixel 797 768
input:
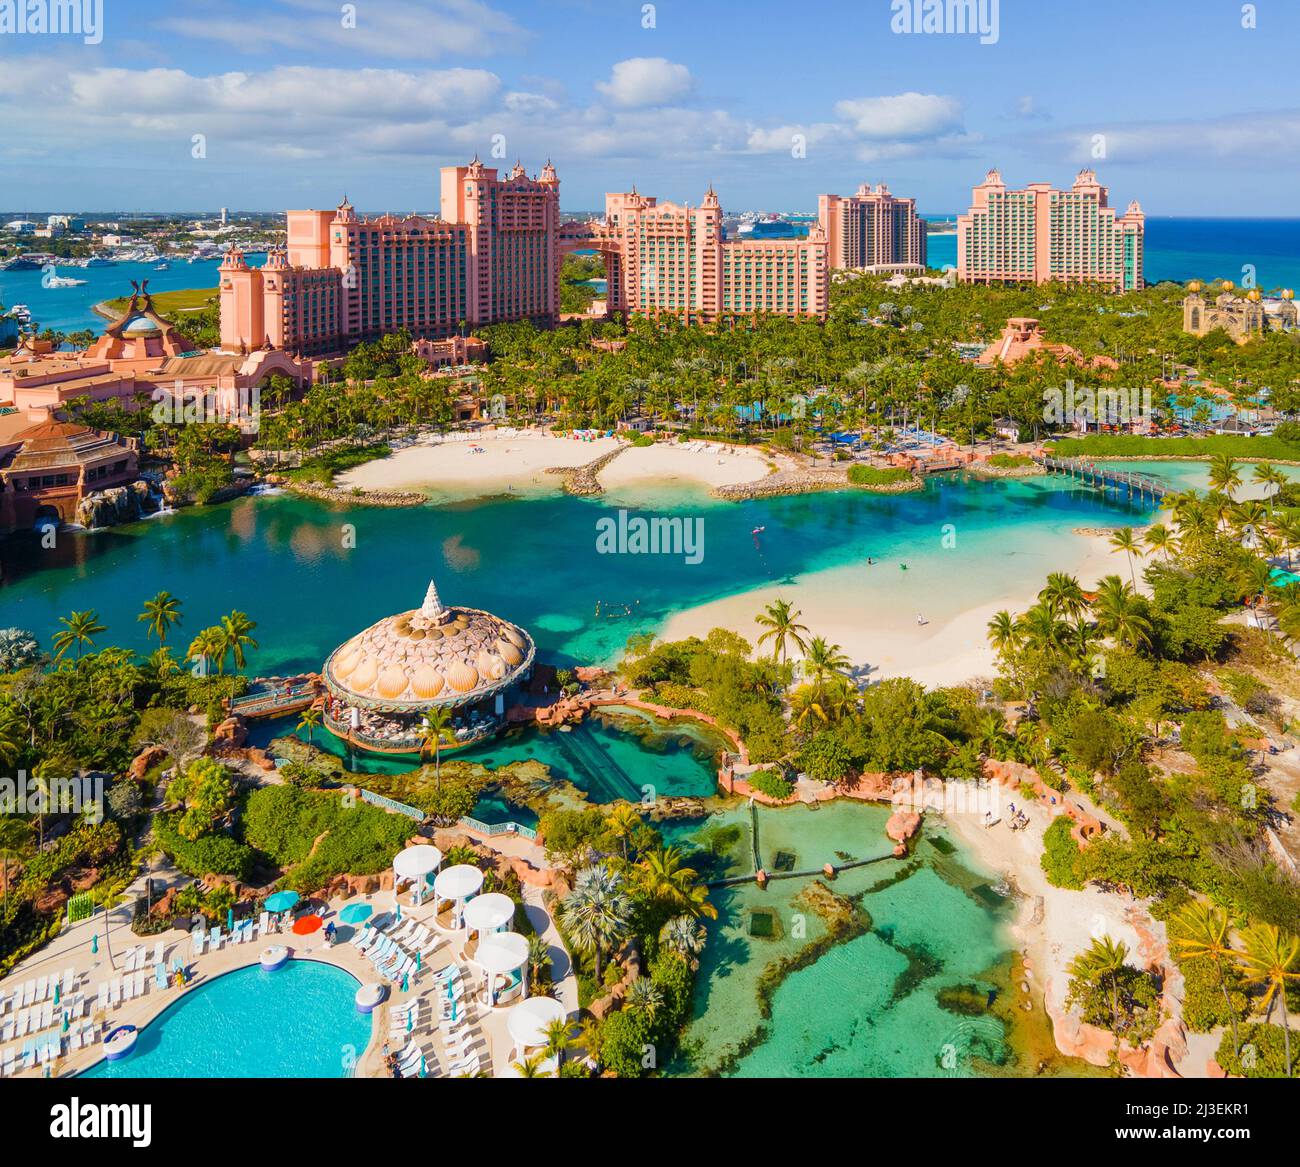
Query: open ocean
pixel 1176 249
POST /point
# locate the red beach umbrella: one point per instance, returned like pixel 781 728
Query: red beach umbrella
pixel 305 924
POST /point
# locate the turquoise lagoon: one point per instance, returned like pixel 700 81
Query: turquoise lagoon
pixel 868 1004
pixel 299 1021
pixel 312 575
pixel 615 754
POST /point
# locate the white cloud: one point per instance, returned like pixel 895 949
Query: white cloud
pixel 640 81
pixel 1258 138
pixel 901 117
pixel 400 29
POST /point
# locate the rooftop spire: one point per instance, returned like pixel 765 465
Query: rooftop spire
pixel 432 608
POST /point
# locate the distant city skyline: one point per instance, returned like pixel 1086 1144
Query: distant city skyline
pixel 291 103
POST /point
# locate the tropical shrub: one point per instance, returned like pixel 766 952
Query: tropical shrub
pixel 771 783
pixel 1062 862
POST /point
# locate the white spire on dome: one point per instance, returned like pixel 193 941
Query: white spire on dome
pixel 432 608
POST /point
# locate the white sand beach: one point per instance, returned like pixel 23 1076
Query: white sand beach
pixel 871 611
pixel 472 466
pixel 692 462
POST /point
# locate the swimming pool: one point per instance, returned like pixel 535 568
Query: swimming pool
pixel 297 1022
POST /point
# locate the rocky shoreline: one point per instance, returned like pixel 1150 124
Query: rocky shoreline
pixel 582 480
pixel 354 496
pixel 984 470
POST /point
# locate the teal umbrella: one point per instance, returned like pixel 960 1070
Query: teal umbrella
pixel 280 901
pixel 405 986
pixel 56 992
pixel 65 1023
pixel 417 962
pixel 410 1014
pixel 399 910
pixel 94 943
pixel 230 919
pixel 355 913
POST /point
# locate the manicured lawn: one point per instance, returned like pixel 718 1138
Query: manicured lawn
pixel 166 303
pixel 1135 445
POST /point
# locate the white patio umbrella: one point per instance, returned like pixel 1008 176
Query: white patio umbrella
pixel 416 864
pixel 457 884
pixel 498 955
pixel 489 913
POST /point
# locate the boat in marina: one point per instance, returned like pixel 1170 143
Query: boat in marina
pixel 56 281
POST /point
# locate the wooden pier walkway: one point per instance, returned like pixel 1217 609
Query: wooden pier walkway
pixel 1139 486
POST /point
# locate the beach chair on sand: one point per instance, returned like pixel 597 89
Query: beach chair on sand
pixel 69 981
pixel 158 950
pixel 114 993
pixel 198 938
pixel 101 996
pixel 214 940
pixel 264 924
pixel 42 987
pixel 141 985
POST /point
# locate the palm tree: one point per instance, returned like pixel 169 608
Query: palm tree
pixel 559 1038
pixel 1063 596
pixel 1159 538
pixel 161 662
pixel 79 629
pixel 645 995
pixel 539 959
pixel 1004 633
pixel 1266 474
pixel 825 660
pixel 1287 528
pixel 597 912
pixel 1121 613
pixel 160 614
pixel 437 728
pixel 623 822
pixel 781 622
pixel 1224 474
pixel 1272 959
pixel 310 720
pixel 236 632
pixel 683 935
pixel 208 646
pixel 1101 964
pixel 1123 540
pixel 1201 931
pixel 531 1067
pixel 663 875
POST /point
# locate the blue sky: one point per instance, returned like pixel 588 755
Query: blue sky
pixel 1173 102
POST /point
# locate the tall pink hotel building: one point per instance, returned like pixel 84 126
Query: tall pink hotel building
pixel 665 258
pixel 1040 234
pixel 873 231
pixel 491 255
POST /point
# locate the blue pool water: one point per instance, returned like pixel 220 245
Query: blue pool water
pixel 297 1022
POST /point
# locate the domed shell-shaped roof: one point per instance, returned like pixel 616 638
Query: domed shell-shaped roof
pixel 431 655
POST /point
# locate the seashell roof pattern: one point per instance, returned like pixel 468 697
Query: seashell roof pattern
pixel 423 658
